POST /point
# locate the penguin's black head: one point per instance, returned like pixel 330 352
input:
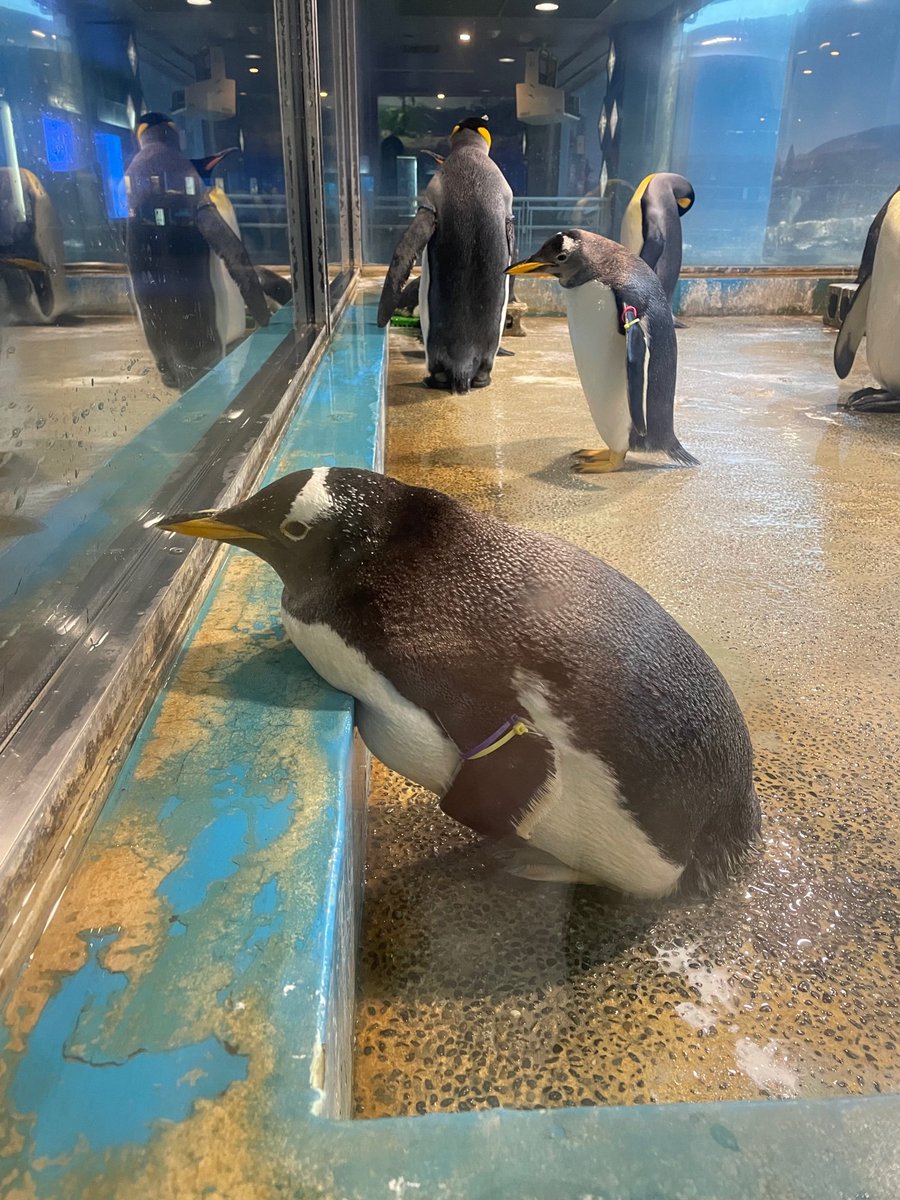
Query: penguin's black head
pixel 299 524
pixel 684 195
pixel 157 127
pixel 561 256
pixel 475 125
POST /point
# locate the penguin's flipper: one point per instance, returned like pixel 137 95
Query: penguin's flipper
pixel 276 288
pixel 409 297
pixel 637 375
pixel 408 249
pixel 851 331
pixel 229 247
pixel 654 244
pixel 492 794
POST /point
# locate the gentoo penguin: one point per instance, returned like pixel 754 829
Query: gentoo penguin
pixel 540 693
pixel 32 257
pixel 174 235
pixel 464 231
pixel 875 312
pixel 624 344
pixel 651 225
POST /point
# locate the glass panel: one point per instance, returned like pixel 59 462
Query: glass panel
pixel 758 102
pixel 136 255
pixel 334 155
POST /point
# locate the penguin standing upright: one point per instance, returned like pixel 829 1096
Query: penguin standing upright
pixel 623 339
pixel 174 234
pixel 540 693
pixel 651 225
pixel 875 312
pixel 464 231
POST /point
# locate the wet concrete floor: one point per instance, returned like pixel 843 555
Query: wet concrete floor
pixel 781 555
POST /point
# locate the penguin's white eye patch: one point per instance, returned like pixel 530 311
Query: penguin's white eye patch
pixel 296 531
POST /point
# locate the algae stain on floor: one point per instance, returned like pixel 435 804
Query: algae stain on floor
pixel 780 554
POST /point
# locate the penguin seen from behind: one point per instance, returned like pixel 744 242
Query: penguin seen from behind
pixel 623 339
pixel 464 232
pixel 544 696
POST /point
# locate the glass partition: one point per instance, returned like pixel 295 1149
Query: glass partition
pixel 758 102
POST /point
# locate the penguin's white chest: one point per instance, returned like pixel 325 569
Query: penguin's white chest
pixel 230 320
pixel 883 312
pixel 599 349
pixel 404 737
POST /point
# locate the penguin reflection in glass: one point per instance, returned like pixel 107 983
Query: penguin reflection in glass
pixel 464 232
pixel 651 226
pixel 623 339
pixel 875 313
pixel 177 243
pixel 544 697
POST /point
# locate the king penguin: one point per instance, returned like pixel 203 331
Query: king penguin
pixel 464 232
pixel 875 312
pixel 174 234
pixel 542 695
pixel 651 225
pixel 623 339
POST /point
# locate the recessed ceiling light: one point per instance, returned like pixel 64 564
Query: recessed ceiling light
pixel 38 33
pixel 506 60
pixel 441 96
pixel 834 53
pixel 546 6
pixel 807 71
pixel 853 34
pixel 199 3
pixel 242 93
pixel 252 70
pixel 822 45
pixel 324 95
pixel 465 37
pixel 257 56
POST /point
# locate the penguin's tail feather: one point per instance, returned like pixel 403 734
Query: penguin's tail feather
pixel 678 454
pixel 718 853
pixel 667 443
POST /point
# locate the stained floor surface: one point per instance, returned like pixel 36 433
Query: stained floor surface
pixel 780 555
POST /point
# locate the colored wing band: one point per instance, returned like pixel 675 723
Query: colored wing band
pixel 507 731
pixel 627 321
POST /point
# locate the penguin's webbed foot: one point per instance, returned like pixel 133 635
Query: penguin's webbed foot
pixel 872 400
pixel 591 455
pixel 438 381
pixel 601 465
pixel 527 862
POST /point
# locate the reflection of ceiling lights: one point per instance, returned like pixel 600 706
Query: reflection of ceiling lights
pixel 614 119
pixel 252 70
pixel 506 60
pixel 835 53
pixel 38 33
pixel 807 71
pixel 822 45
pixel 718 41
pixel 199 3
pixel 601 124
pixel 324 95
pixel 254 56
pixel 441 96
pixel 611 61
pixel 546 6
pixel 465 37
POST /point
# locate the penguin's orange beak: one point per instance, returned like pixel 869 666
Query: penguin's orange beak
pixel 528 266
pixel 207 525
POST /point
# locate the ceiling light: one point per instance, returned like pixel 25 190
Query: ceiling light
pixel 799 52
pixel 506 60
pixel 822 45
pixel 718 41
pixel 546 6
pixel 835 53
pixel 853 34
pixel 252 70
pixel 465 37
pixel 807 71
pixel 38 33
pixel 253 56
pixel 199 3
pixel 441 96
pixel 324 95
